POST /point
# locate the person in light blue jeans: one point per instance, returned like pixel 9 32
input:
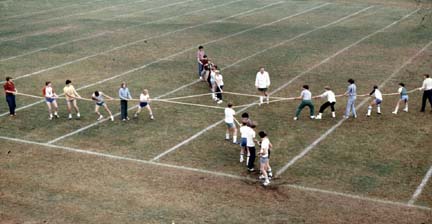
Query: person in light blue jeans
pixel 352 95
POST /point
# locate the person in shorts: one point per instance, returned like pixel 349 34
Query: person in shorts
pixel 265 158
pixel 50 100
pixel 98 97
pixel 403 98
pixel 144 103
pixel 376 93
pixel 229 121
pixel 71 96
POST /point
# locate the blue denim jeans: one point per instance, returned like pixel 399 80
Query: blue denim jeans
pixel 10 99
pixel 351 106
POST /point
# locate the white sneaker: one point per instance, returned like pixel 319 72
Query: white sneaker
pixel 312 117
pixel 318 117
pixel 295 118
pixel 405 110
pixel 112 118
pixel 262 177
pixel 70 116
pixel 56 116
pixel 266 182
pixel 151 117
pixel 241 159
pixel 50 117
pixel 78 115
pixel 100 117
pixel 394 112
pixel 219 102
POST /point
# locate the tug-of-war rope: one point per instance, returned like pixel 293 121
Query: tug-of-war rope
pixel 173 100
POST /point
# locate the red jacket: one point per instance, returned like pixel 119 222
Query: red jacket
pixel 9 86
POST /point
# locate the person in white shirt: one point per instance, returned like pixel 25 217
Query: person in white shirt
pixel 144 102
pixel 262 83
pixel 50 99
pixel 264 155
pixel 219 86
pixel 229 121
pixel 403 98
pixel 331 101
pixel 250 143
pixel 376 93
pixel 98 97
pixel 306 97
pixel 427 91
pixel 243 141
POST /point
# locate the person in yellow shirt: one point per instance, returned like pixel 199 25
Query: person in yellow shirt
pixel 71 96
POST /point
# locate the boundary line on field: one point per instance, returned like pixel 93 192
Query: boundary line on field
pixel 420 188
pixel 186 141
pixel 215 173
pixel 334 127
pixel 237 62
pixel 170 56
pixel 47 10
pixel 103 33
pixel 150 38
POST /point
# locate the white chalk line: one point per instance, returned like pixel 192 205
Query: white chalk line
pixel 136 69
pixel 139 41
pixel 146 10
pixel 186 141
pixel 213 173
pixel 103 33
pixel 420 188
pixel 182 87
pixel 334 127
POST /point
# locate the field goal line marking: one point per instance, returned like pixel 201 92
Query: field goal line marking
pixel 186 141
pixel 150 38
pixel 103 33
pixel 214 173
pixel 237 62
pixel 334 127
pixel 420 188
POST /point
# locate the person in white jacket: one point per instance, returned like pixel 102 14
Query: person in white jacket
pixel 262 83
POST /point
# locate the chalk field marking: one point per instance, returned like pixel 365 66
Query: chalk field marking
pixel 334 127
pixel 154 62
pixel 103 33
pixel 142 40
pixel 46 10
pixel 283 86
pixel 182 87
pixel 213 173
pixel 420 188
pixel 63 29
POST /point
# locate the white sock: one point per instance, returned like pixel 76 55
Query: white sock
pixel 226 136
pixel 261 99
pixel 369 110
pixel 78 114
pixel 396 109
pixel 267 98
pixel 55 113
pixel 234 139
pixel 50 115
pixel 379 109
pixel 333 114
pixel 406 107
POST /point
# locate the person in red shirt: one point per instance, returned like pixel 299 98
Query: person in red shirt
pixel 10 91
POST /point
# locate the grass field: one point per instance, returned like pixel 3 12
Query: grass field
pixel 178 168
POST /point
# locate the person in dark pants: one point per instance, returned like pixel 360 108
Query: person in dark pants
pixel 124 95
pixel 250 143
pixel 200 58
pixel 427 91
pixel 10 91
